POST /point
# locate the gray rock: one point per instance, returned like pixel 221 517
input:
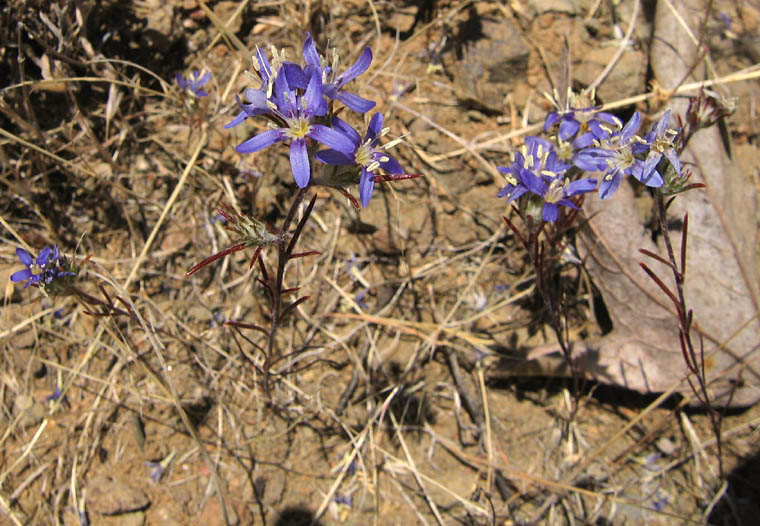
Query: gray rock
pixel 565 7
pixel 489 65
pixel 107 495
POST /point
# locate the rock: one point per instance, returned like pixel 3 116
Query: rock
pixel 32 411
pixel 565 7
pixel 666 446
pixel 212 513
pixel 136 518
pixel 107 495
pixel 626 79
pixel 494 54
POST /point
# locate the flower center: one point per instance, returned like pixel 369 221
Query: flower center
pixel 665 141
pixel 622 160
pixel 364 153
pixel 298 127
pixel 556 190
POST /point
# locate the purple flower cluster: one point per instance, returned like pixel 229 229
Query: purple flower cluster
pixel 581 123
pixel 590 141
pixel 538 170
pixel 298 102
pixel 49 263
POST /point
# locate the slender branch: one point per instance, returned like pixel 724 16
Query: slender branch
pixel 685 318
pixel 284 247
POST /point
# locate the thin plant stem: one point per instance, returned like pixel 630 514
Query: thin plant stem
pixel 284 248
pixel 696 366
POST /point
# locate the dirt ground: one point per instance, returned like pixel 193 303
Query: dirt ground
pixel 414 302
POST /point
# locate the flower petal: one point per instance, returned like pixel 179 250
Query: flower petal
pixel 299 162
pixel 366 186
pixel 359 67
pixel 390 166
pixel 609 184
pixel 608 118
pixel 375 126
pixel 662 124
pixel 549 213
pixel 346 129
pixel 580 186
pixel 265 70
pixel 331 138
pixel 334 157
pixel 310 55
pixel 512 192
pixel 533 183
pixel 201 81
pixel 313 95
pixel 24 256
pixel 568 128
pixel 650 163
pixel 355 102
pixel 672 156
pixel 652 179
pixel 21 275
pixel 297 77
pixel 261 141
pixel 551 119
pixel 568 203
pixel 44 256
pixel 631 127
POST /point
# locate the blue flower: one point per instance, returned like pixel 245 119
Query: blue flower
pixel 259 98
pixel 583 126
pixel 556 190
pixel 332 82
pixel 537 155
pixel 156 471
pixel 346 500
pixel 617 157
pixel 295 113
pixel 195 84
pixel 579 120
pixel 49 263
pixel 539 171
pixel 55 396
pixel 661 143
pixel 367 153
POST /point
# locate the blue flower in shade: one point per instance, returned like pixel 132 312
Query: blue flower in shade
pixel 48 262
pixel 346 500
pixel 332 82
pixel 617 157
pixel 156 471
pixel 533 156
pixel 556 190
pixel 367 153
pixel 661 143
pixel 580 122
pixel 194 85
pixel 583 126
pixel 295 113
pixel 55 396
pixel 539 171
